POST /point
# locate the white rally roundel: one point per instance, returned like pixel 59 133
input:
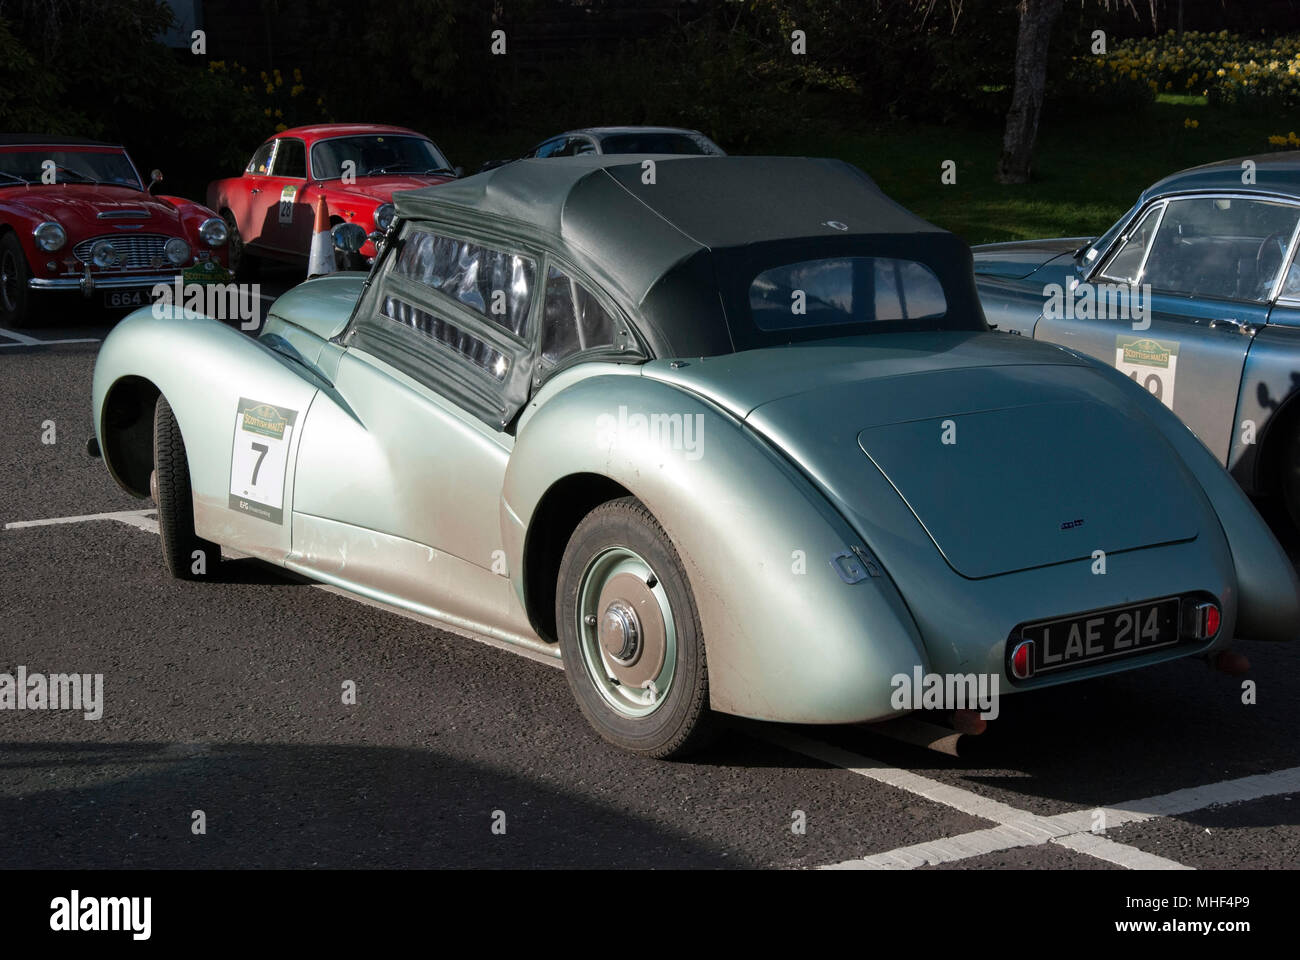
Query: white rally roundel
pixel 1151 363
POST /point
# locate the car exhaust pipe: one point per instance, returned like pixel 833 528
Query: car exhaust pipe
pixel 1231 662
pixel 938 737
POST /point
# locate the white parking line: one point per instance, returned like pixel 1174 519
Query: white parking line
pixel 26 341
pixel 1021 828
pixel 133 518
pixel 1016 827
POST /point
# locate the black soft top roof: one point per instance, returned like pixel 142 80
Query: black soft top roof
pixel 681 251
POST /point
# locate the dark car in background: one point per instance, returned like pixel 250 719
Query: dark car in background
pixel 1217 340
pixel 619 140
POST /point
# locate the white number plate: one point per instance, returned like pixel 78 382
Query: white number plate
pixel 259 457
pixel 1151 363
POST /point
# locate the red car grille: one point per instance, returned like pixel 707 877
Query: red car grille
pixel 142 251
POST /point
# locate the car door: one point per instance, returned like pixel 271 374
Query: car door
pixel 289 216
pixel 401 465
pixel 251 205
pixel 1176 301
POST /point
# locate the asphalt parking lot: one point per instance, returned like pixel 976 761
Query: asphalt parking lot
pixel 224 697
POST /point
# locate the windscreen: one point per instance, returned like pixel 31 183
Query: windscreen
pixel 375 155
pixel 681 143
pixel 68 166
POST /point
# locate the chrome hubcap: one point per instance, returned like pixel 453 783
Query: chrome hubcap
pixel 627 632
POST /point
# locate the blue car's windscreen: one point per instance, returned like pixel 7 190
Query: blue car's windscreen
pixel 833 291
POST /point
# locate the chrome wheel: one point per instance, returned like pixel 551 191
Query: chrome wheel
pixel 626 632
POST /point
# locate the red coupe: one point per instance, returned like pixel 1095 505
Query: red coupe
pixel 270 209
pixel 76 216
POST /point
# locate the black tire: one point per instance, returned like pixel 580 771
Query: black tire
pixel 1289 470
pixel 175 499
pixel 682 722
pixel 15 295
pixel 244 265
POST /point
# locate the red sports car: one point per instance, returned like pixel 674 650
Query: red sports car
pixel 270 209
pixel 76 216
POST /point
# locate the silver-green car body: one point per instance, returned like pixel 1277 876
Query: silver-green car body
pixel 858 505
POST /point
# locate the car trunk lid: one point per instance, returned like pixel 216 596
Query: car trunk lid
pixel 1028 486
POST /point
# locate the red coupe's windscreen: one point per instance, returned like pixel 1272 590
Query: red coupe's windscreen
pixel 375 155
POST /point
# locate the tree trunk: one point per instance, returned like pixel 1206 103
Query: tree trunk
pixel 1036 19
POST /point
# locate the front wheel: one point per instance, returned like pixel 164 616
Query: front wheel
pixel 630 634
pixel 15 296
pixel 187 556
pixel 243 265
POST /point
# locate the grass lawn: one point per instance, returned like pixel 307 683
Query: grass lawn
pixel 1086 172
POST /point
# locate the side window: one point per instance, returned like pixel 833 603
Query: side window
pixel 261 162
pixel 1291 284
pixel 572 319
pixel 494 283
pixel 551 148
pixel 1127 260
pixel 581 147
pixel 1230 248
pixel 474 349
pixel 291 160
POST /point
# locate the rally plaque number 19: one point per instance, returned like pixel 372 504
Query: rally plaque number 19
pixel 259 457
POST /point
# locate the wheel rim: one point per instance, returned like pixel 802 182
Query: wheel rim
pixel 627 632
pixel 9 280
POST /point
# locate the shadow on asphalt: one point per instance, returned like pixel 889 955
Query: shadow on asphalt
pixel 288 806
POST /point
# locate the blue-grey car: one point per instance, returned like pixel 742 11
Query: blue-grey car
pixel 1195 294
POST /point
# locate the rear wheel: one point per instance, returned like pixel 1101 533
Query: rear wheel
pixel 15 295
pixel 630 634
pixel 187 556
pixel 1290 473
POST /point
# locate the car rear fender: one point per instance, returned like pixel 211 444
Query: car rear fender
pixel 786 637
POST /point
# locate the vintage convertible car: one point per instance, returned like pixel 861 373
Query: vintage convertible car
pixel 270 208
pixel 1217 340
pixel 76 217
pixel 716 446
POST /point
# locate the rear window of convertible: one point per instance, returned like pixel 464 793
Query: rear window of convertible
pixel 844 290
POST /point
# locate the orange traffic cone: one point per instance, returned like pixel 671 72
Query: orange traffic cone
pixel 321 258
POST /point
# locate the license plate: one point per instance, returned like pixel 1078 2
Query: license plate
pixel 1102 635
pixel 208 271
pixel 126 298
